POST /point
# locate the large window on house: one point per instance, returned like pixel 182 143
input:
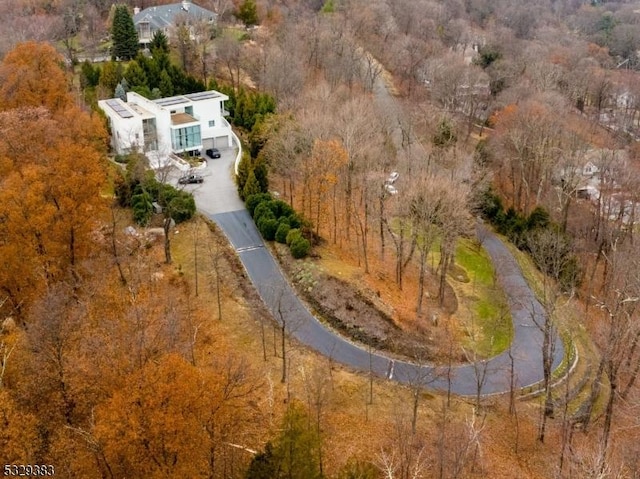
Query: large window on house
pixel 144 30
pixel 186 138
pixel 150 134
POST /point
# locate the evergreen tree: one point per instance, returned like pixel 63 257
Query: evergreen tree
pixel 159 43
pixel 120 92
pixel 244 168
pixel 110 75
pixel 261 173
pixel 123 34
pixel 294 454
pixel 135 75
pixel 251 187
pixel 166 85
pixel 90 75
pixel 248 12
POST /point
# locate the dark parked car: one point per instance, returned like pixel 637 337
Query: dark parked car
pixel 213 153
pixel 190 179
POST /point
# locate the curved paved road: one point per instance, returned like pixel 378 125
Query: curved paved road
pixel 217 197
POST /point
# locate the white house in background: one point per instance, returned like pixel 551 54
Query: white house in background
pixel 590 169
pixel 165 17
pixel 179 124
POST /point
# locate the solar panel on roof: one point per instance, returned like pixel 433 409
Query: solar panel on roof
pixel 174 100
pixel 119 109
pixel 203 95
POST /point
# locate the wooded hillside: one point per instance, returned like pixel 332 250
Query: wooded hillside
pixel 390 127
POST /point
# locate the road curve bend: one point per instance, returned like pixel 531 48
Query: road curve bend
pixel 218 199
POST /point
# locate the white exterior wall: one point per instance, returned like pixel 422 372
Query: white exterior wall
pixel 211 109
pixel 124 130
pixel 162 116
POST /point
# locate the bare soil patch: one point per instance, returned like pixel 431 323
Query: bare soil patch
pixel 369 309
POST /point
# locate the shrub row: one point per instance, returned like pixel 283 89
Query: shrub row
pixel 528 232
pixel 277 221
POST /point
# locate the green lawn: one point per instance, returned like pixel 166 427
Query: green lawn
pixel 475 261
pixel 491 319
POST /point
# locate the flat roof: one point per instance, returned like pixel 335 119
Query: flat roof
pixel 203 95
pixel 188 98
pixel 182 118
pixel 141 111
pixel 172 100
pixel 117 105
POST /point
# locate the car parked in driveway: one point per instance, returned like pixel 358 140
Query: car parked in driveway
pixel 188 179
pixel 213 153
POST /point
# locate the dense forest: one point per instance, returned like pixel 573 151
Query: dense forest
pixel 386 130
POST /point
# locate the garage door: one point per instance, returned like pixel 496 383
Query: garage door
pixel 222 141
pixel 207 143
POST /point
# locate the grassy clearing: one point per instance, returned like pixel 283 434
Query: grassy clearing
pixel 483 312
pixel 476 261
pixel 489 321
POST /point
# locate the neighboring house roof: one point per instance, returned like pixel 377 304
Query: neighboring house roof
pixel 163 16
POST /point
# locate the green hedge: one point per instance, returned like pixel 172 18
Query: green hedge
pixel 300 247
pixel 522 230
pixel 277 220
pixel 282 232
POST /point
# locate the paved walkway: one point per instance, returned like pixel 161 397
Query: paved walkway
pixel 217 197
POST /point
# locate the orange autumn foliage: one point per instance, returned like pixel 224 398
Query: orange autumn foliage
pixel 51 172
pixel 31 76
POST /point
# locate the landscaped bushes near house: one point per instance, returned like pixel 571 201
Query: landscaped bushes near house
pixel 277 220
pixel 300 247
pixel 246 108
pixel 293 235
pixel 252 177
pixel 282 232
pixel 298 244
pixel 139 189
pixel 254 200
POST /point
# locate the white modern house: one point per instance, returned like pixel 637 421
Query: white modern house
pixel 166 17
pixel 178 124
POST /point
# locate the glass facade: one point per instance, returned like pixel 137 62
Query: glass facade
pixel 186 138
pixel 150 134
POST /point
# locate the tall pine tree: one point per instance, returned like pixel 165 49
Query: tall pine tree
pixel 123 34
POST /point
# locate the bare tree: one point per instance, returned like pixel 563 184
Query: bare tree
pixel 551 250
pixel 619 304
pixel 215 254
pixel 420 378
pixel 405 457
pixel 316 385
pixel 438 207
pixel 402 237
pixel 229 54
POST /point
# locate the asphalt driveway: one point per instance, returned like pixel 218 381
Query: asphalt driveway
pixel 218 199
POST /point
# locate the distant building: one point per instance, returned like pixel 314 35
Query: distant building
pixel 165 17
pixel 590 169
pixel 178 124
